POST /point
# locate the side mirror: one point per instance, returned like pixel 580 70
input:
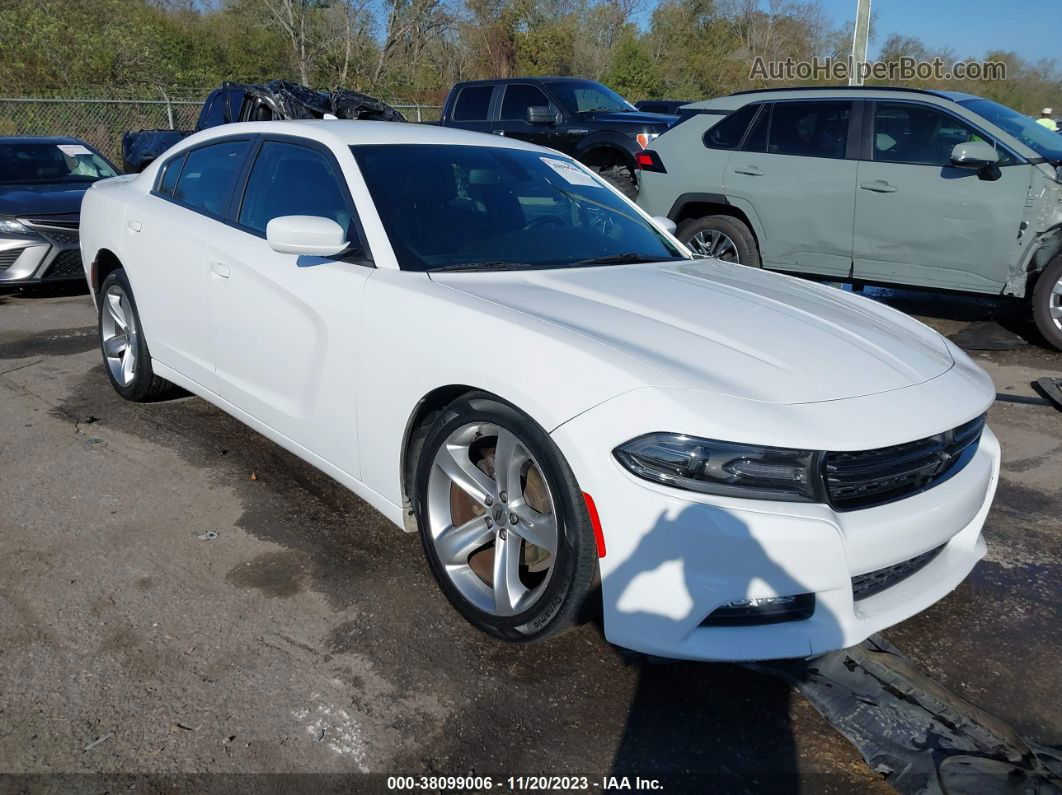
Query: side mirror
pixel 665 223
pixel 308 235
pixel 974 155
pixel 541 114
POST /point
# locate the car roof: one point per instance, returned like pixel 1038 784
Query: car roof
pixel 41 139
pixel 348 132
pixel 740 98
pixel 505 80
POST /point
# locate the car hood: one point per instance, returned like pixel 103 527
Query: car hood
pixel 725 328
pixel 661 120
pixel 42 199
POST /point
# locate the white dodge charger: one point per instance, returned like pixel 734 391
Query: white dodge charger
pixel 497 350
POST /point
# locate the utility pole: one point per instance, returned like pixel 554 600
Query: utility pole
pixel 859 41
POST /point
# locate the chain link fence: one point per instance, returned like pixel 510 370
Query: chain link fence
pixel 101 122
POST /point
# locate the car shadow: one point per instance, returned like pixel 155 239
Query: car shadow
pixel 695 725
pixel 47 290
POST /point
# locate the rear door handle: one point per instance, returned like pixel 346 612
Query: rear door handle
pixel 220 268
pixel 498 132
pixel 752 171
pixel 878 186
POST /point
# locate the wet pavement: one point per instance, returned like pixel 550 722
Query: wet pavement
pixel 179 595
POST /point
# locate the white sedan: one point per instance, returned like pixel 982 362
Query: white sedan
pixel 497 350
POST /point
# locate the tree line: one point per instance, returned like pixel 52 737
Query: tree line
pixel 416 49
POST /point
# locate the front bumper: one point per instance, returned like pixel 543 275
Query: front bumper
pixel 673 557
pixel 49 253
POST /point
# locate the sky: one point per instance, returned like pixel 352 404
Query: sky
pixel 969 27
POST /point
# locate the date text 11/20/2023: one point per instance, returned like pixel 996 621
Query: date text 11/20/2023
pixel 522 783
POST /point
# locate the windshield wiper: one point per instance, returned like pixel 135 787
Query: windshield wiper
pixel 623 259
pixel 499 265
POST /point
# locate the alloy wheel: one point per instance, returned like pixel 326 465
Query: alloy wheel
pixel 118 329
pixel 1054 304
pixel 713 243
pixel 492 519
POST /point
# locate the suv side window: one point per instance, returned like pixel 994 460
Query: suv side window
pixel 518 98
pixel 810 129
pixel 920 135
pixel 209 176
pixel 756 140
pixel 728 132
pixel 473 103
pixel 288 179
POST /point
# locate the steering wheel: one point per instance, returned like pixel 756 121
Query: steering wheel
pixel 542 220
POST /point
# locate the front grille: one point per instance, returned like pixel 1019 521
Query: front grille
pixel 50 223
pixel 61 234
pixel 866 585
pixel 65 265
pixel 866 478
pixel 8 257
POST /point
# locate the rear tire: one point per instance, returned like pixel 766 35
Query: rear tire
pixel 721 236
pixel 126 359
pixel 482 464
pixel 621 177
pixel 1047 303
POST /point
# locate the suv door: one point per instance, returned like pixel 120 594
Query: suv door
pixel 918 219
pixel 286 327
pixel 166 234
pixel 794 175
pixel 512 115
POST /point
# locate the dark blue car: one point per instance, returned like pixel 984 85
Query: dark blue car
pixel 42 181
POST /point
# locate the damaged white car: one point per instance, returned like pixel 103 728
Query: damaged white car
pixel 494 348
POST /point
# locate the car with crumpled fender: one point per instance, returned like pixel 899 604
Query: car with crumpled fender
pixel 933 189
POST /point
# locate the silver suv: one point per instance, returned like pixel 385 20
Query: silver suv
pixel 894 186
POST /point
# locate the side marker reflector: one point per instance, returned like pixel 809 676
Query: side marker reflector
pixel 595 522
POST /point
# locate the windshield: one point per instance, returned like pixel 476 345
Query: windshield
pixel 1046 143
pixel 485 207
pixel 39 162
pixel 583 96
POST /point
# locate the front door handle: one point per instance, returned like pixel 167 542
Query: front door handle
pixel 752 171
pixel 498 132
pixel 135 226
pixel 220 269
pixel 878 186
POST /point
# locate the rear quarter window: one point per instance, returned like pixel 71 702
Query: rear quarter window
pixel 728 133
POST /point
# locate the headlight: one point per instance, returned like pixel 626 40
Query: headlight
pixel 725 468
pixel 12 227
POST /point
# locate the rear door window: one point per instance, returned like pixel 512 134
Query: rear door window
pixel 209 176
pixel 473 103
pixel 810 129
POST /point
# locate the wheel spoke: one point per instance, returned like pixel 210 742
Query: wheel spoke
pixel 128 361
pixel 536 528
pixel 1056 312
pixel 465 475
pixel 114 309
pixel 115 345
pixel 509 457
pixel 508 589
pixel 455 544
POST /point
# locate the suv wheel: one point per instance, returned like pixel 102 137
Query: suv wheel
pixel 722 237
pixel 1047 302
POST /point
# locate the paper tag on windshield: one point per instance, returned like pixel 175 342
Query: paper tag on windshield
pixel 571 173
pixel 74 149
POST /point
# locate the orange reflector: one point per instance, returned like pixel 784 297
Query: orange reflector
pixel 595 522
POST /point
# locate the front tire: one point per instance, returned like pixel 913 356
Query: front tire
pixel 722 237
pixel 1047 303
pixel 125 353
pixel 503 523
